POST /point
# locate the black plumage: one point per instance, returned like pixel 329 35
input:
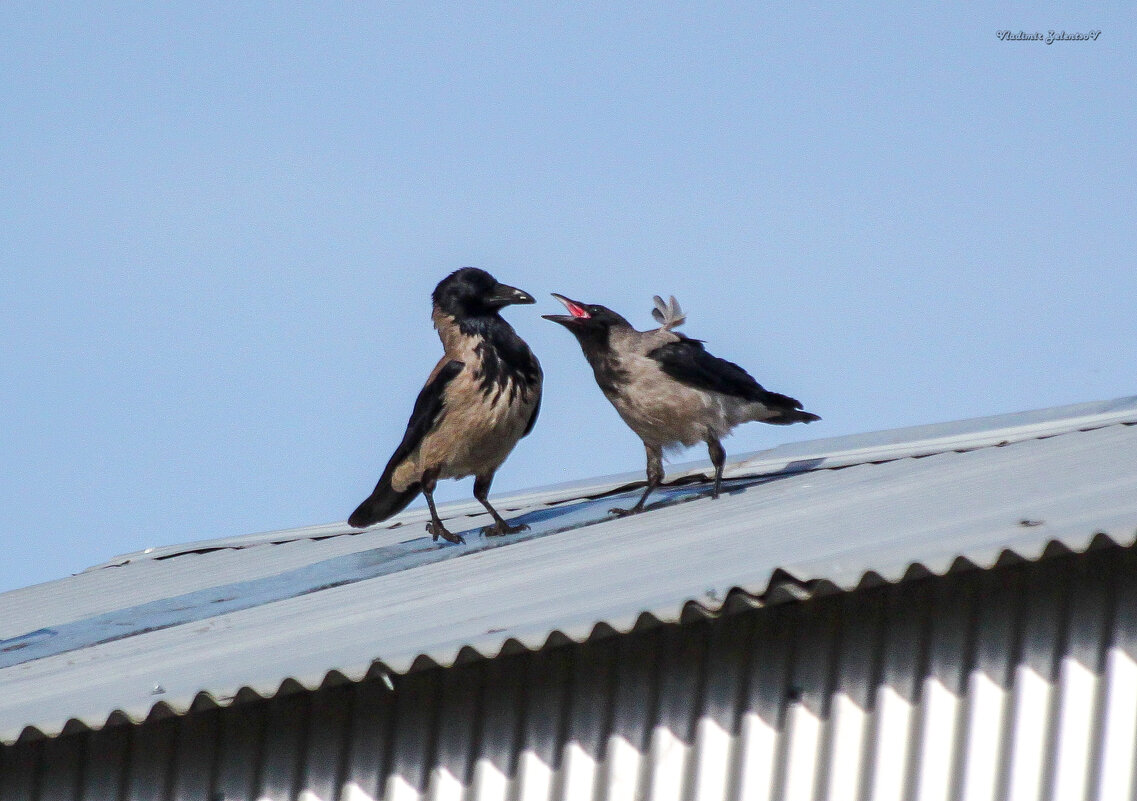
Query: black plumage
pixel 689 362
pixel 481 398
pixel 668 388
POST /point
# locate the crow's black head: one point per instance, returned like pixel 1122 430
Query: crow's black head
pixel 471 292
pixel 587 321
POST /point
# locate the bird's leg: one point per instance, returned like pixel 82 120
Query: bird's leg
pixel 482 492
pixel 718 459
pixel 654 478
pixel 435 527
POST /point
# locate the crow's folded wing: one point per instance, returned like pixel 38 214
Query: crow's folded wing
pixel 688 362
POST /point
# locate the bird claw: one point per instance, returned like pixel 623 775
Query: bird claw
pixel 498 529
pixel 625 512
pixel 440 531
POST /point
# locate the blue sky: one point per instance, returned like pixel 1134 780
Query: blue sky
pixel 220 225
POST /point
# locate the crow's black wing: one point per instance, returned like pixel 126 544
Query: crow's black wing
pixel 688 362
pixel 384 501
pixel 428 406
pixel 532 418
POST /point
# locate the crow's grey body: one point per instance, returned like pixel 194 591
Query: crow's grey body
pixel 668 389
pixel 483 420
pixel 663 411
pixel 479 400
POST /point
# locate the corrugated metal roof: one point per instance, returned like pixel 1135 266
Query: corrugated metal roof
pixel 162 627
pixel 1015 683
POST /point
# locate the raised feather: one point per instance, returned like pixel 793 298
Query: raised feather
pixel 669 315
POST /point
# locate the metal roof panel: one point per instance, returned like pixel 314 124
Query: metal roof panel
pixel 165 626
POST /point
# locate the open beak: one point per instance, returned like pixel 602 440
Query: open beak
pixel 506 295
pixel 576 312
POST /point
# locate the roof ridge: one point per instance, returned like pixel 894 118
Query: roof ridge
pixel 798 457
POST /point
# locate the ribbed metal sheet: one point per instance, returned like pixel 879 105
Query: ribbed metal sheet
pixel 1018 682
pixel 112 643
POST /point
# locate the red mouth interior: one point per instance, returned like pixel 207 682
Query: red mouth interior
pixel 576 311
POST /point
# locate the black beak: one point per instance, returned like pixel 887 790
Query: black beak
pixel 506 295
pixel 576 309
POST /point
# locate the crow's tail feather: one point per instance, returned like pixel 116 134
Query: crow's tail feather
pixel 382 503
pixel 788 409
pixel 794 416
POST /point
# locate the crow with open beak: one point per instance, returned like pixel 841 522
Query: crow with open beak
pixel 668 388
pixel 480 399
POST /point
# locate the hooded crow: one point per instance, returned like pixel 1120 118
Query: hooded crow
pixel 479 400
pixel 668 388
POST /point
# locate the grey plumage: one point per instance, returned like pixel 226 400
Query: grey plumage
pixel 481 398
pixel 668 388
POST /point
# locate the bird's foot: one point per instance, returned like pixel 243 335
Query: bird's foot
pixel 625 512
pixel 501 528
pixel 439 530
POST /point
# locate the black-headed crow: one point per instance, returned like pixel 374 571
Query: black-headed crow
pixel 480 399
pixel 668 388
